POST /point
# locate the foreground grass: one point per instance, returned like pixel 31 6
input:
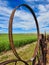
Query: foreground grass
pixel 25 52
pixel 19 40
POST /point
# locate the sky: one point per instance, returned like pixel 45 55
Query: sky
pixel 23 21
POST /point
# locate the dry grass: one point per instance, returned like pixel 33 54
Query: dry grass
pixel 25 53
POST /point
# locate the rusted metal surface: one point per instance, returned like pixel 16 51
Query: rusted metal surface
pixel 40 46
pixel 10 30
pixel 11 61
pixel 43 46
pixel 48 38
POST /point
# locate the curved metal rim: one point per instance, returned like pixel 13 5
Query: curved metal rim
pixel 10 61
pixel 10 28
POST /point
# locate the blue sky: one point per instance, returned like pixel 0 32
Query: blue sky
pixel 23 21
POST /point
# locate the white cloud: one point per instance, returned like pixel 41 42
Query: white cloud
pixel 27 22
pixel 43 18
pixel 4 15
pixel 5 10
pixel 30 0
pixel 3 3
pixel 24 25
pixel 23 15
pixel 47 6
pixel 42 8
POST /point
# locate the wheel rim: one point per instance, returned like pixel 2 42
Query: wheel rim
pixel 10 28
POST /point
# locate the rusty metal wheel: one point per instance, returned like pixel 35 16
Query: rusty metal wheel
pixel 10 31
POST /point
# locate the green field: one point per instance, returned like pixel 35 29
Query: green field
pixel 19 40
